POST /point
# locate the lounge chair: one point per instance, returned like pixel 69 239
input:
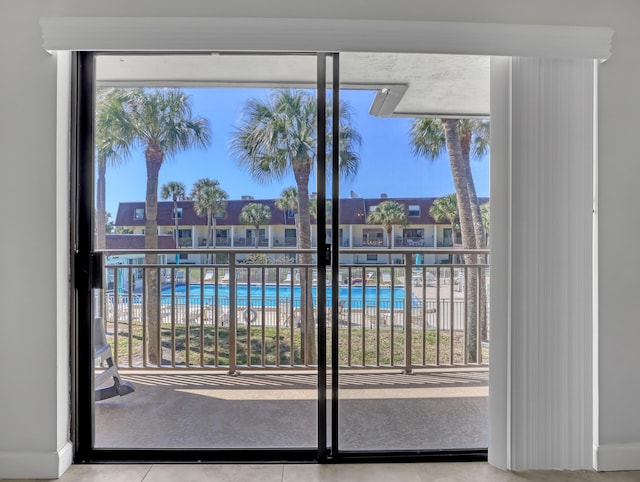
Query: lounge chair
pixel 287 279
pixel 385 278
pixel 102 353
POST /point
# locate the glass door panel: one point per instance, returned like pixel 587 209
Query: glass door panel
pixel 205 326
pixel 411 318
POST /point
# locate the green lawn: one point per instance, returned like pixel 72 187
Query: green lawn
pixel 274 347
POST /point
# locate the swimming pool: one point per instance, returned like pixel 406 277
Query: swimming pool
pixel 273 295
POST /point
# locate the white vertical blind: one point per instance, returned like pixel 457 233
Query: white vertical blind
pixel 552 160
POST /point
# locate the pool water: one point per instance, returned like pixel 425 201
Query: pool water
pixel 360 295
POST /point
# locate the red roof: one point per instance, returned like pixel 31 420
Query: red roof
pixel 352 211
pixel 136 241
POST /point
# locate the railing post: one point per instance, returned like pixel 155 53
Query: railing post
pixel 408 302
pixel 232 314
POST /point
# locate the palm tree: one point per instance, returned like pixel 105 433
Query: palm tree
pixel 176 191
pixel 313 208
pixel 160 122
pixel 463 139
pixel 109 225
pixel 485 211
pixel 210 201
pixel 446 209
pixel 460 137
pixel 289 201
pixel 108 110
pixel 474 141
pixel 387 214
pixel 255 214
pixel 276 137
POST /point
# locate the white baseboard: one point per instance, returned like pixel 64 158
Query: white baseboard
pixel 610 457
pixel 36 465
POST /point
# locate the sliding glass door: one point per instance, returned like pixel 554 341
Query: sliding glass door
pixel 209 292
pixel 241 294
pixel 410 329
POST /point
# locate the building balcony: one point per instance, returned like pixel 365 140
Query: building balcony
pixel 219 319
pixel 401 300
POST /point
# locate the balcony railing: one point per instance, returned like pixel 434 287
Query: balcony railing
pixel 249 315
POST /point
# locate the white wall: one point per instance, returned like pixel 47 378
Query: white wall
pixel 34 415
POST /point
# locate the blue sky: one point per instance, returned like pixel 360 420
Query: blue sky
pixel 386 162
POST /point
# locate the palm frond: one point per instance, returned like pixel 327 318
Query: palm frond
pixel 255 214
pixel 175 190
pixel 445 208
pixel 277 135
pixel 427 138
pixel 209 198
pixel 288 199
pixel 481 138
pixel 388 213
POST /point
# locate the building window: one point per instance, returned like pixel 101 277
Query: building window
pixel 414 210
pixel 184 238
pixel 179 211
pixel 291 213
pixel 139 214
pixel 372 257
pixel 447 238
pixel 372 237
pixel 413 233
pixel 373 208
pixel 290 237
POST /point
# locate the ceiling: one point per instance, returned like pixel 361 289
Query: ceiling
pixel 407 85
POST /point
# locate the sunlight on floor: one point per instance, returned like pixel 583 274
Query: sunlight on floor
pixel 377 394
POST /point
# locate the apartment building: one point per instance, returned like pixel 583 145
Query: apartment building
pixel 421 229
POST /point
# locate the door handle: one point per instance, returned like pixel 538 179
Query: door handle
pixel 327 254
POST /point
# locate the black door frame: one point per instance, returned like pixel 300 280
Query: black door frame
pixel 85 274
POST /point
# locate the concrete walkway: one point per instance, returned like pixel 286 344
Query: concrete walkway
pixel 379 410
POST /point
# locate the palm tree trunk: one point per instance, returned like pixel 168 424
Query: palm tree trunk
pixel 214 259
pixel 453 240
pixel 476 214
pixel 478 227
pixel 209 216
pixel 458 171
pixel 175 213
pixel 101 215
pixel 213 231
pixel 302 172
pixel 154 158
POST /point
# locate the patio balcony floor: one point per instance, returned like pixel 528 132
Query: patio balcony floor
pixel 379 410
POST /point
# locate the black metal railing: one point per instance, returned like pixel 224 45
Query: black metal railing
pixel 236 314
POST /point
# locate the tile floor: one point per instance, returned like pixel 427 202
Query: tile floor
pixel 418 472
